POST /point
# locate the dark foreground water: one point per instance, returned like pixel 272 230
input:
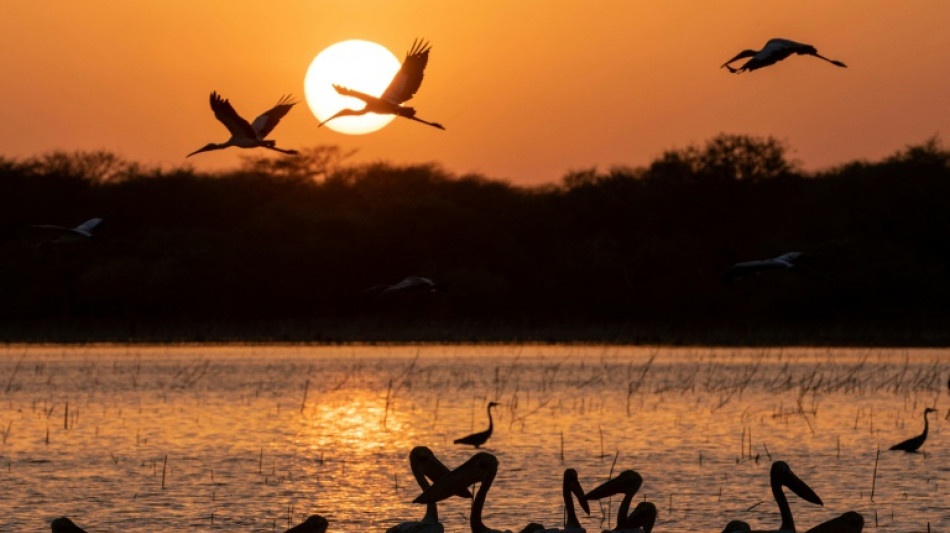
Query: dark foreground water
pixel 253 438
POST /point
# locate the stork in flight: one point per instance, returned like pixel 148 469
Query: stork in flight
pixel 748 268
pixel 401 89
pixel 80 232
pixel 774 51
pixel 244 134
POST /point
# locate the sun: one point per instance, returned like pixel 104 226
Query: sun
pixel 361 65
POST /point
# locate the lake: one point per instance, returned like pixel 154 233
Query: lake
pixel 256 438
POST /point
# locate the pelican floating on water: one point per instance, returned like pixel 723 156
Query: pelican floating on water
pixel 244 134
pixel 628 483
pixel 481 467
pixel 913 444
pixel 477 439
pixel 850 522
pixel 774 51
pixel 401 89
pixel 782 476
pixel 570 488
pixel 426 467
pixel 65 525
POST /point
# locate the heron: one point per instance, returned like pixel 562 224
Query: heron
pixel 481 467
pixel 401 89
pixel 628 483
pixel 911 445
pixel 477 439
pixel 850 522
pixel 774 51
pixel 748 268
pixel 782 476
pixel 570 488
pixel 426 467
pixel 80 232
pixel 244 134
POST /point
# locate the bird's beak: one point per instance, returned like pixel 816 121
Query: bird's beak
pixel 617 485
pixel 435 470
pixel 579 494
pixel 204 148
pixel 644 516
pixel 452 483
pixel 800 488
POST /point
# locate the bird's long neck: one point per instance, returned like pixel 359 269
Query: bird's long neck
pixel 571 521
pixel 490 423
pixel 624 509
pixel 788 524
pixel 432 509
pixel 926 425
pixel 479 502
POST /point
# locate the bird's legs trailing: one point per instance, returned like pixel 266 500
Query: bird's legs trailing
pixel 832 61
pixel 433 124
pixel 281 150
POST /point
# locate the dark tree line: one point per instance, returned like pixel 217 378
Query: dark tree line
pixel 298 240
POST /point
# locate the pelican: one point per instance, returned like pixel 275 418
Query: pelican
pixel 571 486
pixel 244 135
pixel 424 465
pixel 65 525
pixel 782 476
pixel 850 522
pixel 748 268
pixel 912 444
pixel 774 51
pixel 401 89
pixel 481 467
pixel 627 482
pixel 80 232
pixel 477 439
pixel 735 526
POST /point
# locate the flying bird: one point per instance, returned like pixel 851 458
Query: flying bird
pixel 782 476
pixel 748 268
pixel 426 467
pixel 774 51
pixel 410 284
pixel 80 232
pixel 401 89
pixel 913 444
pixel 477 439
pixel 244 134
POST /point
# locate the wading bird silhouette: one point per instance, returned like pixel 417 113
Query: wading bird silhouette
pixel 850 522
pixel 481 467
pixel 774 51
pixel 477 439
pixel 570 488
pixel 628 482
pixel 426 467
pixel 244 134
pixel 401 89
pixel 748 268
pixel 912 444
pixel 80 232
pixel 782 476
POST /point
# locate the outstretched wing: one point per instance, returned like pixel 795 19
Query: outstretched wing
pixel 229 117
pixel 346 91
pixel 266 122
pixel 86 227
pixel 407 81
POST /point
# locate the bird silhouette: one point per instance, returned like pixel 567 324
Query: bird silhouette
pixel 913 444
pixel 571 488
pixel 244 134
pixel 426 467
pixel 850 522
pixel 401 89
pixel 774 51
pixel 627 483
pixel 780 476
pixel 477 439
pixel 748 268
pixel 78 233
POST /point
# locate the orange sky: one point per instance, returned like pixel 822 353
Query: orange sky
pixel 528 90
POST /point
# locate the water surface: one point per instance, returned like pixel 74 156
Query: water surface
pixel 255 438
